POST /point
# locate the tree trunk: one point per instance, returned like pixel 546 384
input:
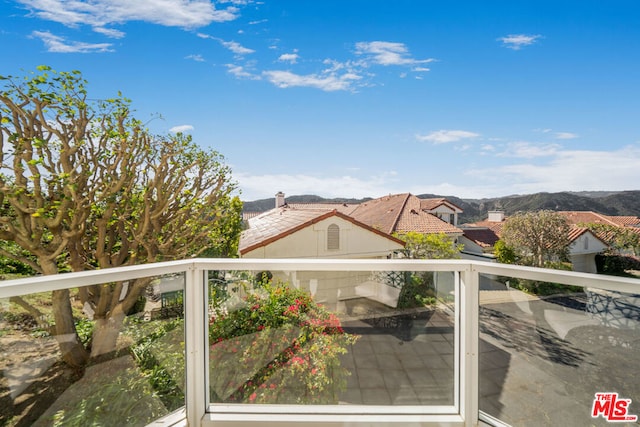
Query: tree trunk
pixel 106 332
pixel 73 352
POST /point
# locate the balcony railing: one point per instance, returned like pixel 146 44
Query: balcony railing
pixel 323 342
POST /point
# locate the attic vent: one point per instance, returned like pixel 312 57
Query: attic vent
pixel 333 237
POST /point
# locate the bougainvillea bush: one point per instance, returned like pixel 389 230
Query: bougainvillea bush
pixel 276 345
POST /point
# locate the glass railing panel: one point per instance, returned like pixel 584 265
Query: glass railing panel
pixel 547 349
pixel 108 354
pixel 332 337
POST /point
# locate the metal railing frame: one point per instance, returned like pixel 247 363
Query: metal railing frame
pixel 197 410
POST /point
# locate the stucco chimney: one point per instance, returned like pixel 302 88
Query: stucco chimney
pixel 279 199
pixel 496 216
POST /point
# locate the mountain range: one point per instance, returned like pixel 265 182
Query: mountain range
pixel 625 203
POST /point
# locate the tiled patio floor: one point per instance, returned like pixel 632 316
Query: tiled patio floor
pixel 401 358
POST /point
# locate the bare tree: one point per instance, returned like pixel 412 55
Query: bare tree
pixel 84 185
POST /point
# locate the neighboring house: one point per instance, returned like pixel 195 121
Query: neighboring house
pixel 479 239
pixel 365 229
pixel 589 217
pixel 401 213
pixel 336 230
pixel 288 232
pixel 441 208
pixel 583 249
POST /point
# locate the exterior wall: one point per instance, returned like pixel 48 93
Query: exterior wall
pixel 582 253
pixel 586 244
pixel 495 216
pixel 311 242
pixel 446 214
pixel 585 263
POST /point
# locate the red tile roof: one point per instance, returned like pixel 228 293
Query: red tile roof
pixel 401 213
pixel 483 237
pixel 496 227
pixel 344 208
pixel 587 217
pixel 397 213
pixel 281 222
pixel 431 204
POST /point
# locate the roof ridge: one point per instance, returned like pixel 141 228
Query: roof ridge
pixel 395 222
pixel 605 217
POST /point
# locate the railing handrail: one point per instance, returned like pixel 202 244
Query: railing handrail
pixel 34 284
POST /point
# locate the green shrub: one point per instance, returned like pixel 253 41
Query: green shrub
pixel 276 346
pixel 417 291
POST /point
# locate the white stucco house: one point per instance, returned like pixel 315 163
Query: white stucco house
pixel 304 233
pixel 288 232
pixel 441 208
pixel 336 230
pixel 583 249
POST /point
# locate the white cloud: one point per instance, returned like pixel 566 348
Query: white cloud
pixel 565 135
pixel 518 41
pixel 291 58
pixel 528 150
pixel 100 13
pixel 233 46
pixel 339 75
pixel 388 53
pixel 326 82
pixel 565 170
pixel 236 48
pixel 445 136
pixel 195 57
pixel 568 170
pixel 58 44
pixel 110 32
pixel 263 186
pixel 240 72
pixel 181 129
pixel 236 2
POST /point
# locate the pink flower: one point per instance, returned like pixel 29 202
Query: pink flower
pixel 292 309
pixel 252 397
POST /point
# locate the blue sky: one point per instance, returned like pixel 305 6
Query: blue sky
pixel 356 98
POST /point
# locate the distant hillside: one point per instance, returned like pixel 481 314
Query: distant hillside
pixel 622 203
pixel 608 203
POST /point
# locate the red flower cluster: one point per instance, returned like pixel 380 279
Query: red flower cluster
pixel 281 347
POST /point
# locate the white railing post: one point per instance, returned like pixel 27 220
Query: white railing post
pixel 469 309
pixel 195 308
